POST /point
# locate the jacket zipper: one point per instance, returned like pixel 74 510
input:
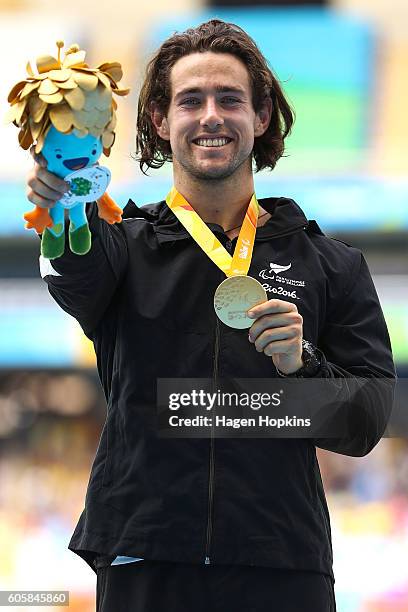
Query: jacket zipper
pixel 212 450
pixel 207 560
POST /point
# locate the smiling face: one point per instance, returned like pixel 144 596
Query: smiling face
pixel 66 153
pixel 211 123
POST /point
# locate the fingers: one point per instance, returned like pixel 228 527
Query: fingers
pixel 45 184
pixel 269 323
pixel 39 200
pixel 268 341
pixel 271 307
pixel 43 187
pixel 38 158
pixel 284 347
pixel 278 332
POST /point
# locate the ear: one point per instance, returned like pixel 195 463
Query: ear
pixel 159 121
pixel 263 117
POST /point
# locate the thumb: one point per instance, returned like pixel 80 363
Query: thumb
pixel 38 158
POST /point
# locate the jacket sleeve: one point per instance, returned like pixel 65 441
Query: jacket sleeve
pixel 355 347
pixel 84 285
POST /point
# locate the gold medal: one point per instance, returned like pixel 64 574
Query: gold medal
pixel 234 297
pixel 238 292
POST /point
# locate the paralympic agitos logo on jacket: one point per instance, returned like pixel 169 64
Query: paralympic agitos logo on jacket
pixel 274 274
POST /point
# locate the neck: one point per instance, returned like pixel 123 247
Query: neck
pixel 223 201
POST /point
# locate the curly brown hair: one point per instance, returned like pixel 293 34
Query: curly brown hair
pixel 218 37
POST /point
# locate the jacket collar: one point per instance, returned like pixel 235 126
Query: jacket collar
pixel 287 217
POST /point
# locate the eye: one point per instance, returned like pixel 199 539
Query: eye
pixel 192 101
pixel 230 100
pixel 94 152
pixel 58 156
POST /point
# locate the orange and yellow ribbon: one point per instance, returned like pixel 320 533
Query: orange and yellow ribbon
pixel 235 265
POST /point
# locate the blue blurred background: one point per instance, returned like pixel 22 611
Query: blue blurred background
pixel 343 65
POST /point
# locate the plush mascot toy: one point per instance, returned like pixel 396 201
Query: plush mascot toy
pixel 67 110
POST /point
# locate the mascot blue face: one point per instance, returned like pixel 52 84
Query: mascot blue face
pixel 66 153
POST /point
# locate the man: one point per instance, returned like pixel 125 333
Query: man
pixel 214 523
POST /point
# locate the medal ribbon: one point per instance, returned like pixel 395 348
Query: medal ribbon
pixel 204 237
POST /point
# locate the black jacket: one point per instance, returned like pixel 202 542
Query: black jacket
pixel 144 295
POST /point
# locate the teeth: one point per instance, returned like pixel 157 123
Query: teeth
pixel 212 142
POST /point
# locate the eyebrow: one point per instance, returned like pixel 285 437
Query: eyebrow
pixel 218 89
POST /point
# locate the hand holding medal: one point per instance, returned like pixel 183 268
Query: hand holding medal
pixel 278 332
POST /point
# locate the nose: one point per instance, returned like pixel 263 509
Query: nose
pixel 211 116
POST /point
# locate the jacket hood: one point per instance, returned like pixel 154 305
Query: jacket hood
pixel 287 216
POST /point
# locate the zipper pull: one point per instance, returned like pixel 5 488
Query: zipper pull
pixel 207 561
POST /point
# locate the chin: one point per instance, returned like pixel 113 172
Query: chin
pixel 207 169
pixel 213 173
pixel 216 170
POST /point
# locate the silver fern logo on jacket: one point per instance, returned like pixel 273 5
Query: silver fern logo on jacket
pixel 273 274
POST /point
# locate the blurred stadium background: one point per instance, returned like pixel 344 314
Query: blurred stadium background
pixel 344 65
